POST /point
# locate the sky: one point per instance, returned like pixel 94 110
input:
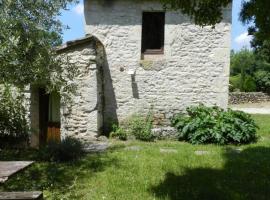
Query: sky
pixel 74 18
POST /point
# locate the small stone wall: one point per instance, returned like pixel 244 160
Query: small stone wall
pixel 165 133
pixel 248 97
pixel 82 117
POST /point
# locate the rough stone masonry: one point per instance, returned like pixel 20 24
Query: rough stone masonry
pixel 115 82
pixel 193 69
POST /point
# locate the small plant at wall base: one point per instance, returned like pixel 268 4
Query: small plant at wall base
pixel 204 125
pixel 141 127
pixel 13 123
pixel 119 132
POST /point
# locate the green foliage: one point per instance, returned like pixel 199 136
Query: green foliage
pixel 235 82
pixel 243 63
pixel 214 125
pixel 169 176
pixel 69 149
pixel 262 79
pixel 249 84
pixel 13 123
pixel 119 132
pixel 199 10
pixel 249 72
pixel 141 127
pixel 255 14
pixel 30 31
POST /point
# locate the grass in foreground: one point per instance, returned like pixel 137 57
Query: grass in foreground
pixel 144 172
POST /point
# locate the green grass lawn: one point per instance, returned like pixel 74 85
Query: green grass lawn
pixel 224 172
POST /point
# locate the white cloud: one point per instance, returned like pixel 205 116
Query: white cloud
pixel 243 40
pixel 79 9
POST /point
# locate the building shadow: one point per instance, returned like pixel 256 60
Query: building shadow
pixel 54 177
pixel 246 175
pixel 109 103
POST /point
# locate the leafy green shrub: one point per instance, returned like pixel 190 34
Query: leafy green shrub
pixel 119 132
pixel 235 82
pixel 214 125
pixel 249 84
pixel 141 127
pixel 262 79
pixel 14 128
pixel 69 149
pixel 138 126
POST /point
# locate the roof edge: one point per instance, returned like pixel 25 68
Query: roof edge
pixel 73 43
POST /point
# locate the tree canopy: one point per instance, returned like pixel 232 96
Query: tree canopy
pixel 249 72
pixel 29 32
pixel 256 13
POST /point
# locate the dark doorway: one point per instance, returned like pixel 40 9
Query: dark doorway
pixel 43 115
pixel 49 116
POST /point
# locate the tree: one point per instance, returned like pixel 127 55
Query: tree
pixel 29 33
pixel 243 64
pixel 249 72
pixel 256 13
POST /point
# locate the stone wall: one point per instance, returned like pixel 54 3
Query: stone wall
pixel 194 68
pixel 81 117
pixel 248 97
pixel 114 83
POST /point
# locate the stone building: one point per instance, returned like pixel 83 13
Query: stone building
pixel 137 56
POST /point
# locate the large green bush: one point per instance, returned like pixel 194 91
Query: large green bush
pixel 14 128
pixel 204 125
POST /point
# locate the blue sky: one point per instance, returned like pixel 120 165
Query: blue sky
pixel 74 18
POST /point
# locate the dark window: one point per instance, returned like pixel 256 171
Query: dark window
pixel 153 32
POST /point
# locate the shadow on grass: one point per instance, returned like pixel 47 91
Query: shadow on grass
pixel 60 179
pixel 246 175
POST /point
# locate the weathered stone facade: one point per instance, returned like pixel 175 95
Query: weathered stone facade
pixel 114 82
pixel 194 68
pixel 82 117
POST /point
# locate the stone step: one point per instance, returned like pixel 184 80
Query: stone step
pixel 21 195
